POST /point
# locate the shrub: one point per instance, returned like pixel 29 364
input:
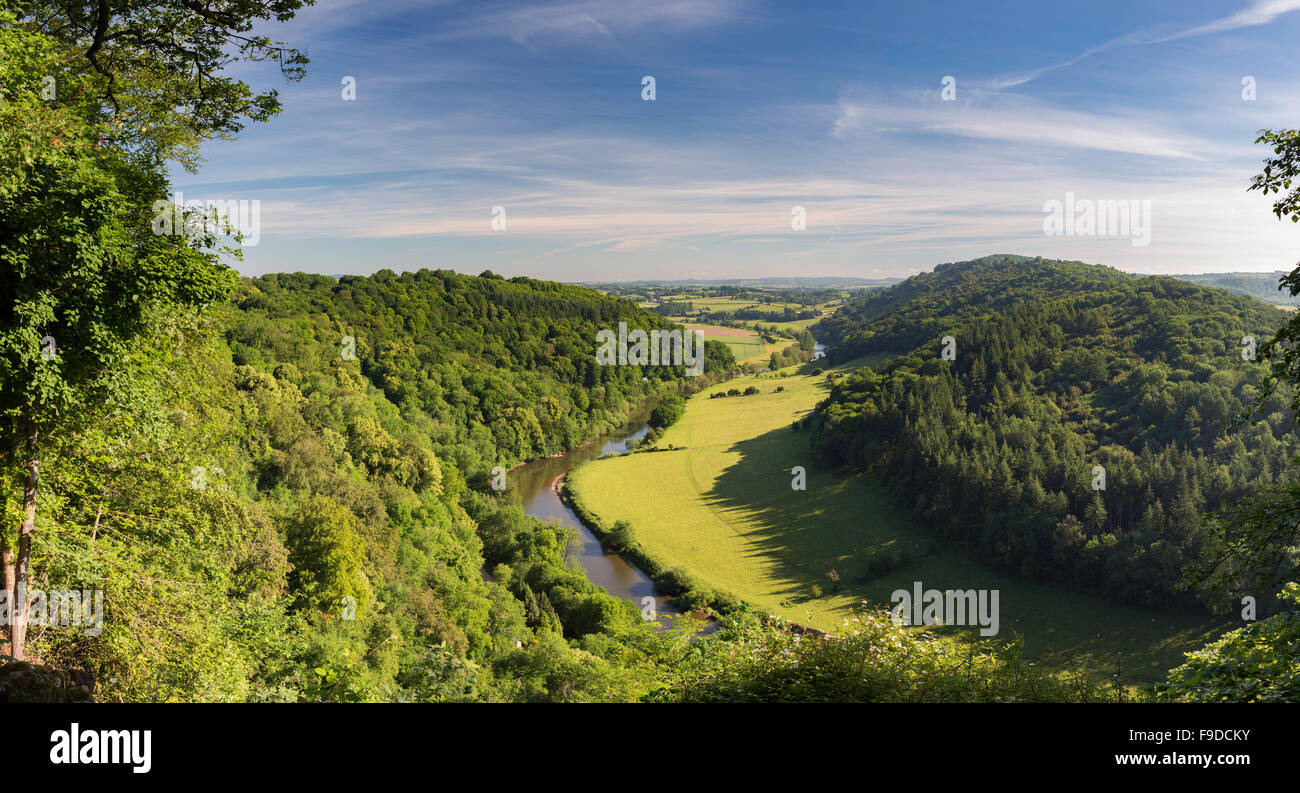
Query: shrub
pixel 667 411
pixel 868 660
pixel 621 536
pixel 1256 663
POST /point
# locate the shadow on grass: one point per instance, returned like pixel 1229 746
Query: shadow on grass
pixel 847 523
pixel 801 536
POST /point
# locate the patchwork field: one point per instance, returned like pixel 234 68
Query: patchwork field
pixel 723 507
pixel 744 344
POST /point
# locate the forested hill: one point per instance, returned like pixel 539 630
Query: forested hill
pixel 503 370
pixel 292 502
pixel 1059 367
pixel 910 313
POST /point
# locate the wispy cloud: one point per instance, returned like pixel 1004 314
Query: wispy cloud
pixel 527 24
pixel 1261 12
pixel 461 108
pixel 1022 120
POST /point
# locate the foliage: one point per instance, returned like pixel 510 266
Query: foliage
pixel 1253 545
pixel 666 413
pixel 1060 367
pixel 1280 171
pixel 869 660
pixel 1256 663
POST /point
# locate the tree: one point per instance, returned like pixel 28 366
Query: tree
pixel 80 286
pixel 1252 545
pixel 1252 542
pixel 153 69
pixel 1280 171
pixel 135 84
pixel 667 411
pixel 622 536
pixel 327 554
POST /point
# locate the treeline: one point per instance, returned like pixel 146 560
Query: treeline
pixel 801 351
pixel 674 308
pixel 500 371
pixel 1080 430
pixel 914 312
pixel 786 314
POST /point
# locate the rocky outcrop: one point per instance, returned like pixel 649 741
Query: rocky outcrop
pixel 24 682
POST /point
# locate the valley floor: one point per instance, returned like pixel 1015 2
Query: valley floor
pixel 723 508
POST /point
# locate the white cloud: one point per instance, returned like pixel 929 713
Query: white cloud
pixel 1021 120
pixel 587 19
pixel 1261 12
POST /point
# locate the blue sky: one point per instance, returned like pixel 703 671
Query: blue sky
pixel 761 107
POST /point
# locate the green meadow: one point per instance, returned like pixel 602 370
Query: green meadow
pixel 744 344
pixel 723 508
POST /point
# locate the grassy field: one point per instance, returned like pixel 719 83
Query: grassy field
pixel 744 344
pixel 723 508
pixel 747 349
pixel 802 324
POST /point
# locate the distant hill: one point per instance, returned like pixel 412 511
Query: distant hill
pixel 829 282
pixel 1059 367
pixel 1263 286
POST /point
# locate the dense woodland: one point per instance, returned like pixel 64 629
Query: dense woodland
pixel 1060 367
pixel 319 506
pixel 503 370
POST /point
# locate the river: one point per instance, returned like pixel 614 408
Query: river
pixel 536 485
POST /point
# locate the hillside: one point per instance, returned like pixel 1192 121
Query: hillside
pixel 502 370
pixel 292 502
pixel 723 520
pixel 1262 286
pixel 1059 367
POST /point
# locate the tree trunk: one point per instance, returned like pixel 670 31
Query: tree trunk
pixel 18 606
pixel 6 572
pixel 7 584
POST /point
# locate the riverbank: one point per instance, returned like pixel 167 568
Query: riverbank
pixel 686 591
pixel 674 582
pixel 625 569
pixel 538 482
